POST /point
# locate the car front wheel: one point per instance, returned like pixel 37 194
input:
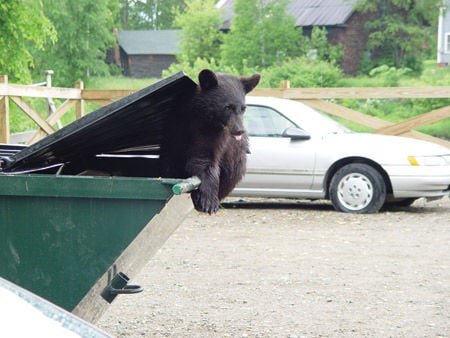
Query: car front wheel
pixel 357 188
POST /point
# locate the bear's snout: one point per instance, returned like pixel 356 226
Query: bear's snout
pixel 235 126
pixel 238 134
pixel 236 131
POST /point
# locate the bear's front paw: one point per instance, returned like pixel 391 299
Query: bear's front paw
pixel 205 202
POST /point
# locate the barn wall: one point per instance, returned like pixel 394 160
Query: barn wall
pixel 140 66
pixel 353 39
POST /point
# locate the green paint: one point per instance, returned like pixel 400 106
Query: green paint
pixel 58 235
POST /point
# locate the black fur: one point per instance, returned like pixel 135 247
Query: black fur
pixel 210 141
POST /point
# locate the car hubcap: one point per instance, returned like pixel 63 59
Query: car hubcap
pixel 355 191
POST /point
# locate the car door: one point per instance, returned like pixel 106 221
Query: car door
pixel 277 165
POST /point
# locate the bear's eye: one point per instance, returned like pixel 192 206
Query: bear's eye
pixel 243 108
pixel 229 107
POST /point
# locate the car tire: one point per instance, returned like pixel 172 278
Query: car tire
pixel 357 188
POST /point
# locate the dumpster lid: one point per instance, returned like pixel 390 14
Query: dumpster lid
pixel 133 124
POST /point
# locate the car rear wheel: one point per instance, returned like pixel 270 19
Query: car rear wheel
pixel 357 188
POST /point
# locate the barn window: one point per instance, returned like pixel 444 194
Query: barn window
pixel 447 43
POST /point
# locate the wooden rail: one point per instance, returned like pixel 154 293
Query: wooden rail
pixel 75 98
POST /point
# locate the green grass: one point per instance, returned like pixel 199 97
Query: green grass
pixel 19 121
pixel 118 82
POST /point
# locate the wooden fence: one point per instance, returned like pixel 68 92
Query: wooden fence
pixel 314 97
pixel 73 98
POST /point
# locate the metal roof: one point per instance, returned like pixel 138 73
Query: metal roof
pixel 306 12
pixel 160 42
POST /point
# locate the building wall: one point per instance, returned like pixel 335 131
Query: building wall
pixel 443 53
pixel 353 38
pixel 145 66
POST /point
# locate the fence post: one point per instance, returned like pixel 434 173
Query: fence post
pixel 4 113
pixel 79 107
pixel 285 84
pixel 51 108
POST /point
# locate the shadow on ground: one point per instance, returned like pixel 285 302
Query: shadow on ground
pixel 419 206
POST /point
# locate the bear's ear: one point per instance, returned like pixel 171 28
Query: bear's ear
pixel 207 79
pixel 250 82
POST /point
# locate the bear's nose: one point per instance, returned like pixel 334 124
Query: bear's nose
pixel 238 134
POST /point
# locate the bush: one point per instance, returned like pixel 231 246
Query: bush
pixel 302 72
pixel 199 64
pixel 390 76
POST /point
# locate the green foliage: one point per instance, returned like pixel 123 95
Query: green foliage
pixel 390 76
pixel 391 110
pixel 320 48
pixel 400 31
pixel 192 69
pixel 261 35
pixel 434 75
pixel 431 75
pixel 85 33
pixel 396 110
pixel 437 129
pixel 118 82
pixel 23 26
pixel 149 14
pixel 200 23
pixel 302 72
pixel 19 121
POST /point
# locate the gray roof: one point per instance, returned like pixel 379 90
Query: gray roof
pixel 162 42
pixel 307 12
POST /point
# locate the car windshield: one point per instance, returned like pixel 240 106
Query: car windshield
pixel 314 121
pixel 268 122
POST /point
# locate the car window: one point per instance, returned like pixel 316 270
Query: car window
pixel 265 121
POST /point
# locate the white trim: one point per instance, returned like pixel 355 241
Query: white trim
pixel 447 43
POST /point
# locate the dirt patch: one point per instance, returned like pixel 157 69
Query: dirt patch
pixel 296 269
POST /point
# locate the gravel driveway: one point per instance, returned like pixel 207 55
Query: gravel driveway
pixel 295 269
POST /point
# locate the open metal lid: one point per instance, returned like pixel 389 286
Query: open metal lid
pixel 135 123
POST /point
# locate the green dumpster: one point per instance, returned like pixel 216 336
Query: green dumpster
pixel 77 239
pixel 63 236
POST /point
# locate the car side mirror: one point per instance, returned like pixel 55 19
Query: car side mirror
pixel 295 133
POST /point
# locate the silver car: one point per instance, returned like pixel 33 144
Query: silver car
pixel 298 152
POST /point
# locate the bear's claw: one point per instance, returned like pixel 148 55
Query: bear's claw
pixel 204 204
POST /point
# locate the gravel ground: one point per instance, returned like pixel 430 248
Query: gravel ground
pixel 295 269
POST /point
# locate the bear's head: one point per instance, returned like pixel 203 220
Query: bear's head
pixel 221 101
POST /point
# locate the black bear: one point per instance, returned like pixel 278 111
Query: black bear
pixel 208 139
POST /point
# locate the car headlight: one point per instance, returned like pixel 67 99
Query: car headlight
pixel 428 160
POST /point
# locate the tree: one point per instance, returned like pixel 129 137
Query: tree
pixel 321 49
pixel 261 34
pixel 400 30
pixel 23 26
pixel 85 33
pixel 200 23
pixel 149 14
